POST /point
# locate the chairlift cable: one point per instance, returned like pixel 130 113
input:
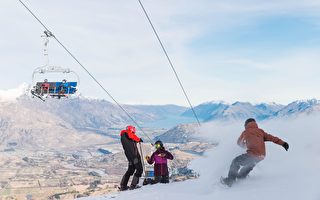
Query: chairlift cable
pixel 83 67
pixel 170 62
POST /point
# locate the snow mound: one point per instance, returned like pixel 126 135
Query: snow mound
pixel 290 175
pixel 12 94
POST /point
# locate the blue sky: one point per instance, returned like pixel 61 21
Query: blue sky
pixel 232 50
pixel 263 35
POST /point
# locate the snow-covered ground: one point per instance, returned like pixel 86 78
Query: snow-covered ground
pixel 292 175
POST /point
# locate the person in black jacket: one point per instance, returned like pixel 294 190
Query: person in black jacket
pixel 129 142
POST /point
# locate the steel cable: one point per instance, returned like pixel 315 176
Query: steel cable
pixel 83 67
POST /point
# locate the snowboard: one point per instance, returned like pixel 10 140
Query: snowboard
pixel 224 181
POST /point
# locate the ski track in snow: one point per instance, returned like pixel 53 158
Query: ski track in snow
pixel 282 175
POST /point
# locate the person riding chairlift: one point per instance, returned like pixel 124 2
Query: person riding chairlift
pixel 45 87
pixel 63 87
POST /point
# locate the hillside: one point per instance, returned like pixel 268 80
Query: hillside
pixel 26 128
pixel 180 134
pixel 290 175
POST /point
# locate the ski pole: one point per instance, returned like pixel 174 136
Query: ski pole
pixel 142 159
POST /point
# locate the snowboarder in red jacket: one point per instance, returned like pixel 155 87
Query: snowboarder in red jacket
pixel 129 142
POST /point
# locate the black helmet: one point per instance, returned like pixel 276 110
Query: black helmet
pixel 158 144
pixel 248 121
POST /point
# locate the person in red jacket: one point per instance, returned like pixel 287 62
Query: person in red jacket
pixel 45 87
pixel 253 139
pixel 129 142
pixel 159 158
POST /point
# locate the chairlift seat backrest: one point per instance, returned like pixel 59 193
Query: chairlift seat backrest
pixel 57 87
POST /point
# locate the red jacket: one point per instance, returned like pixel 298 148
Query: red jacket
pixel 253 138
pixel 45 85
pixel 131 135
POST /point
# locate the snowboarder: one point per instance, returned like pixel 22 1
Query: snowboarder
pixel 159 157
pixel 129 142
pixel 253 139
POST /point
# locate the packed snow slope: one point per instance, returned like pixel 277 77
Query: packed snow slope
pixel 292 175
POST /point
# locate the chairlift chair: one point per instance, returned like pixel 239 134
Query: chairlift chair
pixel 57 88
pixel 59 85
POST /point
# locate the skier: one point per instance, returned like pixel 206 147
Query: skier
pixel 129 142
pixel 253 139
pixel 159 157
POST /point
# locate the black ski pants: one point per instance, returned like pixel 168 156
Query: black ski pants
pixel 134 167
pixel 241 166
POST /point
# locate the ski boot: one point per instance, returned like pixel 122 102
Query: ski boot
pixel 123 188
pixel 226 181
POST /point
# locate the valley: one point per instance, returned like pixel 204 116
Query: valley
pixel 67 175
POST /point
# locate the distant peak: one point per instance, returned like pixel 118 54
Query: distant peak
pixel 241 103
pixel 213 102
pixel 310 101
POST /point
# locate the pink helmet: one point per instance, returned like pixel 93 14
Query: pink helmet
pixel 131 129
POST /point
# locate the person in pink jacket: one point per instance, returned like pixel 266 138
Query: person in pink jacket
pixel 159 158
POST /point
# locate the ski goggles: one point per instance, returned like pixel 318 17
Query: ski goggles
pixel 157 146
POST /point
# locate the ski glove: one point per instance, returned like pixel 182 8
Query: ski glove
pixel 286 146
pixel 141 140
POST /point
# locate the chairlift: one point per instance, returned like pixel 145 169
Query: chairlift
pixel 53 81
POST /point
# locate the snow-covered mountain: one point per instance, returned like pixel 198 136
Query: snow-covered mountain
pixel 207 110
pixel 301 107
pixel 237 111
pixel 240 111
pixel 102 117
pixel 28 128
pixel 211 111
pixel 180 134
pixel 99 114
pixel 30 123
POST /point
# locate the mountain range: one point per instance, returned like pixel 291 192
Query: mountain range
pixel 28 122
pixel 238 111
pixel 211 111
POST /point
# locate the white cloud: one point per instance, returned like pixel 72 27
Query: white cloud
pixel 13 94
